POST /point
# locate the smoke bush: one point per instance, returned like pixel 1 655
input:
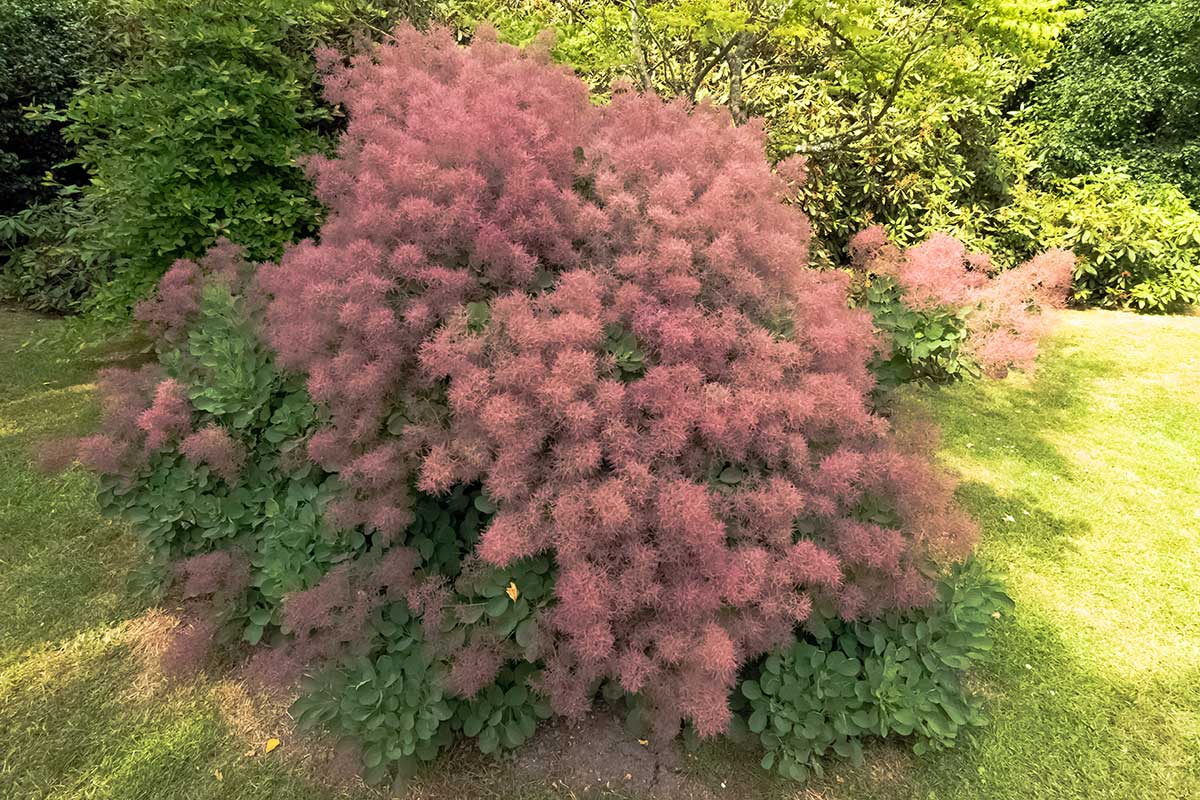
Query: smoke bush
pixel 553 402
pixel 601 315
pixel 961 311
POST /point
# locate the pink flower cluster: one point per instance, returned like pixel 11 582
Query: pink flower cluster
pixel 1007 313
pixel 142 413
pixel 670 501
pixel 177 299
pixel 212 445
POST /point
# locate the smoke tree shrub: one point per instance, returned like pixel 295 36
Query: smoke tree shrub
pixel 553 404
pixel 944 315
pixel 204 453
pixel 490 236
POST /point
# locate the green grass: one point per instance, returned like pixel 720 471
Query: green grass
pixel 1085 479
pixel 74 720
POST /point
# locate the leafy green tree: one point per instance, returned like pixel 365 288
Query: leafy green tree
pixel 1126 94
pixel 199 137
pixel 896 103
pixel 195 131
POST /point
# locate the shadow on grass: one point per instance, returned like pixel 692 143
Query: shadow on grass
pixel 74 728
pixel 1013 419
pixel 63 567
pixel 1021 523
pixel 1061 730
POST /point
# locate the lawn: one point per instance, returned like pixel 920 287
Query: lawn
pixel 1085 479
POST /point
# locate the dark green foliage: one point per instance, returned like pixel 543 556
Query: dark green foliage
pixel 194 131
pixel 899 675
pixel 1117 129
pixel 394 701
pixel 445 528
pixel 1126 93
pixel 505 714
pixel 927 344
pixel 499 604
pixel 53 256
pixel 294 546
pixel 47 47
pixel 230 372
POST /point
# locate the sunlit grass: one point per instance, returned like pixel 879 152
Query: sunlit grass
pixel 1085 478
pixel 1105 569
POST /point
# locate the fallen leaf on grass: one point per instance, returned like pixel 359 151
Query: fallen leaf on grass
pixel 271 744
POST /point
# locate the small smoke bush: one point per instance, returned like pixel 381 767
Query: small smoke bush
pixel 330 620
pixel 603 316
pixel 128 400
pixel 56 455
pixel 210 585
pixel 149 410
pixel 215 574
pixel 190 645
pixel 1005 315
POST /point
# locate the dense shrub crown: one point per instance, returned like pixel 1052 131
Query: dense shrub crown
pixel 488 232
pixel 1126 93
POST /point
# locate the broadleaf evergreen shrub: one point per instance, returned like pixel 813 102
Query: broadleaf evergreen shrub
pixel 53 256
pixel 1137 244
pixel 552 404
pixel 195 132
pixel 899 105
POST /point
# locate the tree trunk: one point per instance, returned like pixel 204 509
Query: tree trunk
pixel 734 61
pixel 639 55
